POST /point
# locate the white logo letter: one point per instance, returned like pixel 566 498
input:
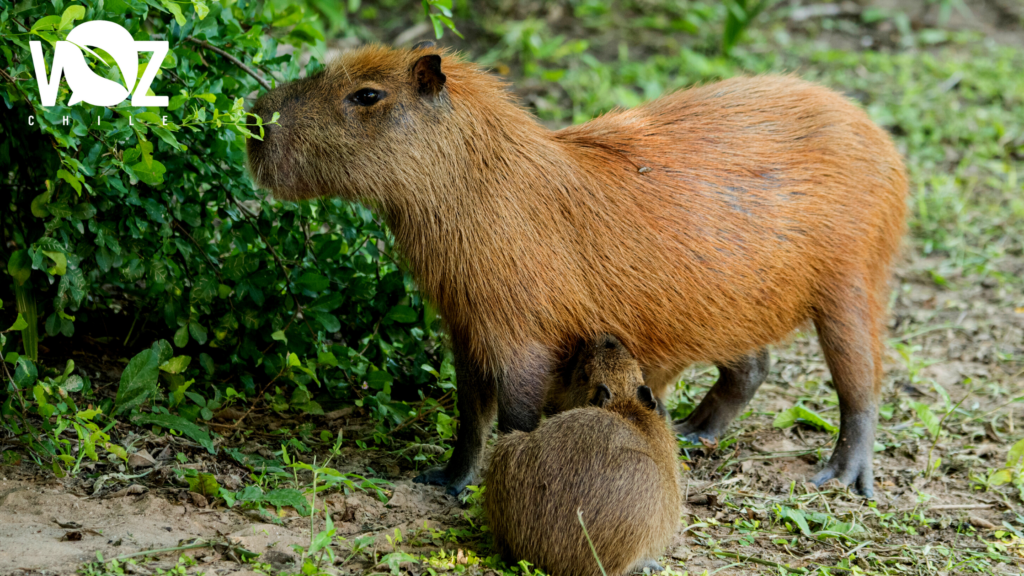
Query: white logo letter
pixel 86 85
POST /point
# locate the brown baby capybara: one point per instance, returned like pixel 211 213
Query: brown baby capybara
pixel 601 363
pixel 614 460
pixel 702 226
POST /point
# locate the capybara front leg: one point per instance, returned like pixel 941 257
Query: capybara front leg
pixel 477 402
pixel 850 339
pixel 522 389
pixel 737 383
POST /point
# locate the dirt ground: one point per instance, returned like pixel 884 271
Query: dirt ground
pixel 50 526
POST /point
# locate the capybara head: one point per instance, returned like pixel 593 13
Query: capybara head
pixel 360 128
pixel 601 371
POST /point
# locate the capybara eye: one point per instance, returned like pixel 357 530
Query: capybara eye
pixel 366 97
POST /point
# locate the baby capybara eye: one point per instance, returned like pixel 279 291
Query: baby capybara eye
pixel 366 97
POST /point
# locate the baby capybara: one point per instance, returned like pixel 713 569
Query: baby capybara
pixel 615 461
pixel 702 226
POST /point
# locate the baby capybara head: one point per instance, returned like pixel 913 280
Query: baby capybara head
pixel 364 125
pixel 602 371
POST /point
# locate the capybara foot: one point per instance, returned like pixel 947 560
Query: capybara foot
pixel 439 477
pixel 736 385
pixel 850 469
pixel 693 430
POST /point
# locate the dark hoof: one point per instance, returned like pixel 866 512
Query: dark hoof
pixel 859 477
pixel 693 434
pixel 439 477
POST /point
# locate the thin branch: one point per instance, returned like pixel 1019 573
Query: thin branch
pixel 232 59
pixel 254 219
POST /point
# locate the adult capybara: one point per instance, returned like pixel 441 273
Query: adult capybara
pixel 701 226
pixel 615 461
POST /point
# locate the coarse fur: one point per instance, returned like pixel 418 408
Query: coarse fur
pixel 615 461
pixel 701 226
pixel 603 361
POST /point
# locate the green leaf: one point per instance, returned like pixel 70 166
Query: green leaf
pixel 180 424
pixel 47 23
pixel 138 381
pixel 1016 454
pixel 1000 477
pixel 201 8
pixel 928 418
pixel 204 483
pixel 20 266
pixel 175 10
pixel 198 332
pixel 797 517
pixel 206 361
pixel 204 290
pixel 323 538
pixel 288 497
pixel 71 13
pixel 168 137
pixel 163 351
pixel 38 206
pixel 25 373
pixel 19 324
pixel 403 314
pixel 152 175
pixel 313 282
pixel 330 322
pixel 181 337
pixel 71 180
pixel 83 211
pixel 801 415
pixel 60 263
pixel 395 560
pixel 176 365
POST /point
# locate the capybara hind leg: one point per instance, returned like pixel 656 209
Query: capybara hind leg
pixel 522 388
pixel 849 334
pixel 477 404
pixel 737 383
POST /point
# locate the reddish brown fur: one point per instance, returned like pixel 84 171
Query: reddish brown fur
pixel 617 464
pixel 697 227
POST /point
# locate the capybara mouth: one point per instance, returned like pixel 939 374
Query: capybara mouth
pixel 272 164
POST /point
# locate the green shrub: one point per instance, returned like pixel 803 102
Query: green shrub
pixel 145 217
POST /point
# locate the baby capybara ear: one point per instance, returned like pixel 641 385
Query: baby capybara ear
pixel 602 395
pixel 646 397
pixel 427 75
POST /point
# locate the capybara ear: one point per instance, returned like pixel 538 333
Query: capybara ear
pixel 427 75
pixel 646 397
pixel 602 395
pixel 424 45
